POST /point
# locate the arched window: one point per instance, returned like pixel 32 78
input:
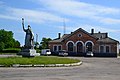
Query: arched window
pixel 70 46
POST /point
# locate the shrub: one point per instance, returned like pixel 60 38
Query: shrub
pixel 11 50
pixel 38 50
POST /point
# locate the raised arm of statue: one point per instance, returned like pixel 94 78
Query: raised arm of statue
pixel 23 24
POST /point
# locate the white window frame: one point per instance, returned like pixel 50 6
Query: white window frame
pixel 54 48
pixel 67 45
pixel 79 35
pixel 109 48
pixel 57 47
pixel 88 42
pixel 82 45
pixel 103 48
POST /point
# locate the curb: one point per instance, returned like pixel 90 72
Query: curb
pixel 46 65
pixel 118 56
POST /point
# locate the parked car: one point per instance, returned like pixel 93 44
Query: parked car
pixel 63 53
pixel 89 54
pixel 45 52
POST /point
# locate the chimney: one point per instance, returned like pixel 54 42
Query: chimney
pixel 71 32
pixel 92 31
pixel 59 35
pixel 106 35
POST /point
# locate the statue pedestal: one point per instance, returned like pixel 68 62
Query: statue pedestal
pixel 28 53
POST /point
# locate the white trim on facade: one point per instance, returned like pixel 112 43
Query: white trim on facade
pixel 88 42
pixel 104 47
pixel 57 47
pixel 80 42
pixel 67 45
pixel 109 48
pixel 53 47
pixel 117 48
pixel 77 43
pixel 70 41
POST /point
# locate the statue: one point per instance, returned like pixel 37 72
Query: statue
pixel 28 49
pixel 29 43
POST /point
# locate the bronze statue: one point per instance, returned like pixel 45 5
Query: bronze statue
pixel 29 38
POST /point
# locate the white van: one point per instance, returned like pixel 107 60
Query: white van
pixel 45 52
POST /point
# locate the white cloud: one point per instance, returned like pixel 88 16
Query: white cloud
pixel 110 21
pixel 71 8
pixel 30 15
pixel 35 16
pixel 82 9
pixel 8 17
pixel 73 5
pixel 89 27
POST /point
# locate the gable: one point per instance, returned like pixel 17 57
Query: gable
pixel 80 34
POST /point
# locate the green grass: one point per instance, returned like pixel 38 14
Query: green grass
pixel 36 60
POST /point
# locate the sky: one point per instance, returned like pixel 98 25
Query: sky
pixel 47 18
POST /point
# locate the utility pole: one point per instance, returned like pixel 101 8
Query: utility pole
pixel 64 25
pixel 36 38
pixel 37 45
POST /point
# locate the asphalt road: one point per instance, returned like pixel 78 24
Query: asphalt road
pixel 91 69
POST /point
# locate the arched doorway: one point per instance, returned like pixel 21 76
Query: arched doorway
pixel 70 47
pixel 89 47
pixel 79 47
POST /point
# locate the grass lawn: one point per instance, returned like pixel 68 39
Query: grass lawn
pixel 36 60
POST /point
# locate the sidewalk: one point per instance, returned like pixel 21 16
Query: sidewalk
pixel 7 55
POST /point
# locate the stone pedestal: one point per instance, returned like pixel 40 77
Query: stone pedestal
pixel 28 53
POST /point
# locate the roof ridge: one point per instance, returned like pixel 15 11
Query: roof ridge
pixel 80 29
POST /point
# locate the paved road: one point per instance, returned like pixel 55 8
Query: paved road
pixel 91 69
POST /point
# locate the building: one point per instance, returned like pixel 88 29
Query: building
pixel 80 42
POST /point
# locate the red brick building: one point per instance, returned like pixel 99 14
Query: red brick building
pixel 80 41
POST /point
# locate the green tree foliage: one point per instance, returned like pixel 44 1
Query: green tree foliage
pixel 7 40
pixel 2 46
pixel 36 45
pixel 16 44
pixel 44 43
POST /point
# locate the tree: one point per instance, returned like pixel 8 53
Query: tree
pixel 2 46
pixel 16 44
pixel 36 45
pixel 6 38
pixel 44 42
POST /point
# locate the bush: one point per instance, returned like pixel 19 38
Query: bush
pixel 38 50
pixel 11 50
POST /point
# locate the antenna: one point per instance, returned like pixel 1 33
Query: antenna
pixel 64 25
pixel 36 38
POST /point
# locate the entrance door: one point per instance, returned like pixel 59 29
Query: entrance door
pixel 79 47
pixel 89 47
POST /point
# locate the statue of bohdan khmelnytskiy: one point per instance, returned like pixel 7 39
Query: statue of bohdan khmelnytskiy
pixel 28 49
pixel 29 43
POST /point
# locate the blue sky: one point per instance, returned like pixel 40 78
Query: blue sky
pixel 46 17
